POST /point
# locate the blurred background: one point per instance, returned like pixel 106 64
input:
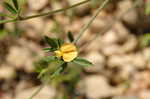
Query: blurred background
pixel 117 43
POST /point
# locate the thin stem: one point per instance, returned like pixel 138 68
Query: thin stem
pixel 6 15
pixel 91 21
pixel 45 14
pixel 136 4
pixel 36 92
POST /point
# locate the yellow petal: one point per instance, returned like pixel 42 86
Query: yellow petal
pixel 68 47
pixel 58 53
pixel 67 57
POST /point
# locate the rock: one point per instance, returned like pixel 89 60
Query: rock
pixel 117 61
pixel 98 61
pixel 94 45
pixel 140 81
pixel 126 71
pixel 98 25
pixel 7 72
pixel 121 31
pixel 110 37
pixel 113 49
pixel 22 85
pixel 46 93
pixel 22 57
pixel 123 7
pixel 19 57
pixel 97 87
pixel 130 44
pixel 33 28
pixel 126 97
pixel 7 96
pixel 34 5
pixel 146 54
pixel 139 61
pixel 145 94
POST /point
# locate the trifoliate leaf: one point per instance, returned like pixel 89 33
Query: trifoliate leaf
pixel 70 36
pixel 82 62
pixel 9 8
pixel 49 49
pixel 60 42
pixel 50 58
pixel 53 42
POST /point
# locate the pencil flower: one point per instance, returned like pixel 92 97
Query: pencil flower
pixel 67 52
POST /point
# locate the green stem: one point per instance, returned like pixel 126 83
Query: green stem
pixel 44 14
pixel 36 92
pixel 91 21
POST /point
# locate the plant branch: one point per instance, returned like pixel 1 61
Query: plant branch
pixel 91 21
pixel 44 14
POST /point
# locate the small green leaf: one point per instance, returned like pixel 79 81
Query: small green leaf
pixel 53 42
pixel 6 15
pixel 70 36
pixel 49 49
pixel 15 2
pixel 50 58
pixel 9 8
pixel 60 42
pixel 82 62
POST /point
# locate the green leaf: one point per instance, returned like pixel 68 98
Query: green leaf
pixel 9 8
pixel 50 58
pixel 49 49
pixel 82 62
pixel 6 15
pixel 53 42
pixel 70 36
pixel 15 2
pixel 60 42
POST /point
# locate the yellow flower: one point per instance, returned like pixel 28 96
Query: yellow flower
pixel 67 51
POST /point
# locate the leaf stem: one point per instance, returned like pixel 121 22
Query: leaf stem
pixel 36 92
pixel 44 14
pixel 86 26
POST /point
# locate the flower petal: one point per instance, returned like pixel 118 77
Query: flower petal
pixel 68 47
pixel 67 57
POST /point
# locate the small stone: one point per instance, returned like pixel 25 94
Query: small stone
pixel 110 37
pixel 37 5
pixel 98 25
pixel 113 49
pixel 18 56
pixel 121 31
pixel 145 94
pixel 46 93
pixel 146 54
pixel 97 87
pixel 118 60
pixel 123 7
pixel 98 61
pixel 7 72
pixel 130 44
pixel 126 97
pixel 139 61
